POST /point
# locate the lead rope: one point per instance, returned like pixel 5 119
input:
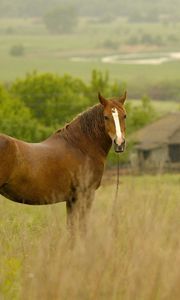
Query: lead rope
pixel 117 181
pixel 114 215
pixel 114 205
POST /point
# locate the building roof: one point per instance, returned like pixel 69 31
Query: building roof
pixel 163 131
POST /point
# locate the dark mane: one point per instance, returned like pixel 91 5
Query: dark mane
pixel 92 121
pixel 89 123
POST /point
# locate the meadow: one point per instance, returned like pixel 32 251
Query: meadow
pixel 132 255
pixel 83 50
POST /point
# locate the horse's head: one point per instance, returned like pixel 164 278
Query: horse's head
pixel 114 118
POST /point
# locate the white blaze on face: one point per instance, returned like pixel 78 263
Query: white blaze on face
pixel 119 136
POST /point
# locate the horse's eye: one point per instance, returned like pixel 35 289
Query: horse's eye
pixel 106 118
pixel 124 116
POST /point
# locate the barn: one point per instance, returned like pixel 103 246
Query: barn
pixel 157 146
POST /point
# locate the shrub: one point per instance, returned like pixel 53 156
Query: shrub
pixel 17 50
pixel 140 115
pixel 9 30
pixel 16 119
pixel 61 19
pixel 52 99
pixel 110 44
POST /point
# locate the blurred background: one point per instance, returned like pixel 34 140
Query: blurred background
pixel 56 55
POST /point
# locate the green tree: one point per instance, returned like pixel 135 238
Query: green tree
pixel 17 121
pixel 52 99
pixel 62 19
pixel 140 115
pixel 100 83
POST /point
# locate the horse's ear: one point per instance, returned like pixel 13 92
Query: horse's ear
pixel 102 100
pixel 123 98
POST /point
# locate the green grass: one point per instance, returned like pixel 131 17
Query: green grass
pixel 53 53
pixel 137 257
pixel 160 107
pixel 136 77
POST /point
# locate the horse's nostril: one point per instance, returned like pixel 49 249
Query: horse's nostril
pixel 119 147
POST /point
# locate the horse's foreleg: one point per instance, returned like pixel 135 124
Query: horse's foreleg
pixel 78 210
pixel 72 217
pixel 84 211
pixel 69 211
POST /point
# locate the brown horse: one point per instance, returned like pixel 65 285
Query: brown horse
pixel 68 163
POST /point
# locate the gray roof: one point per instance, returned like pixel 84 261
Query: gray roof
pixel 163 131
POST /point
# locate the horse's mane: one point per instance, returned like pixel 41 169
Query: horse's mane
pixel 90 123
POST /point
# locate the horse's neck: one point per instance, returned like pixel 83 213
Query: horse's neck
pixel 91 138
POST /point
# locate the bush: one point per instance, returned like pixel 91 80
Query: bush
pixel 110 44
pixel 140 115
pixel 17 50
pixel 53 100
pixel 133 40
pixel 16 119
pixel 9 30
pixel 62 19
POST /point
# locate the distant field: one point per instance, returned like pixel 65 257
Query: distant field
pixel 136 257
pixel 89 43
pixel 160 107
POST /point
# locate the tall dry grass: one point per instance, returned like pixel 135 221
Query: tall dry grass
pixel 136 257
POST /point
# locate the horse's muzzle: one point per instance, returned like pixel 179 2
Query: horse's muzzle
pixel 119 148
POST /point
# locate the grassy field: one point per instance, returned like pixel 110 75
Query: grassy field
pixel 161 108
pixel 90 42
pixel 136 257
